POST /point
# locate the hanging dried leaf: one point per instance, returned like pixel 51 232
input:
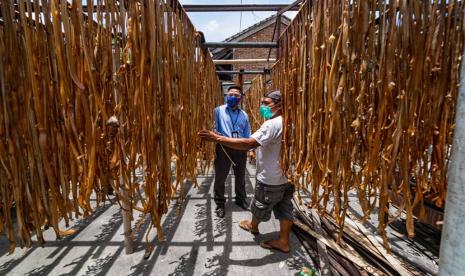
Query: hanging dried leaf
pixel 370 89
pixel 88 100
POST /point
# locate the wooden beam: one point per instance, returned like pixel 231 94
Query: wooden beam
pixel 325 266
pixel 376 244
pixel 333 245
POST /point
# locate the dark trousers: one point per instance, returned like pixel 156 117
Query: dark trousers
pixel 222 167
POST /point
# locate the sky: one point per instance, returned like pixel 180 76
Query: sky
pixel 218 26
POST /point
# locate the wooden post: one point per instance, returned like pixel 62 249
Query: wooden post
pixel 452 252
pixel 126 209
pixel 126 213
pixel 278 21
pixel 241 84
pixel 241 79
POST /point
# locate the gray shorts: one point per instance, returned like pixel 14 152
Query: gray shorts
pixel 276 198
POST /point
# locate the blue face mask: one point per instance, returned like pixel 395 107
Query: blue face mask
pixel 265 111
pixel 232 101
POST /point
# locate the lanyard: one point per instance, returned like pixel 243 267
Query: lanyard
pixel 237 117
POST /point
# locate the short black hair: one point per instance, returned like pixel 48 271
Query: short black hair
pixel 236 87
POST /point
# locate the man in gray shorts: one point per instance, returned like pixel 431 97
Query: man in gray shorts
pixel 273 192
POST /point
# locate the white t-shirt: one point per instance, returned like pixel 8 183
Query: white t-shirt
pixel 269 137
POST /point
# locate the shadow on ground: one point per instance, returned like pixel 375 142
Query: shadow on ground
pixel 207 231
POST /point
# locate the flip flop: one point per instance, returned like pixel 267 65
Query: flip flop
pixel 248 229
pixel 267 245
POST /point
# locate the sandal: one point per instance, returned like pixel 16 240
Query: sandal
pixel 246 227
pixel 220 212
pixel 268 245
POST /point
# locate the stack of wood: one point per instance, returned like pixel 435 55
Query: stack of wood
pixel 353 250
pixel 369 91
pixel 88 98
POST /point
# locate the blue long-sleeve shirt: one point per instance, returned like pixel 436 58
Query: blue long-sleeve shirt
pixel 228 120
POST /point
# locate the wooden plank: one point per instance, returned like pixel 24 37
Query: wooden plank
pixel 376 243
pixel 341 270
pixel 333 245
pixel 308 243
pixel 352 242
pixel 326 268
pixel 361 242
pixel 358 240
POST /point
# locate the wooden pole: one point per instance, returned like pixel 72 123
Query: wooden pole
pixel 126 213
pixel 452 252
pixel 241 84
pixel 278 21
pixel 241 79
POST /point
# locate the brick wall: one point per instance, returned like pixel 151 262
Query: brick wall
pixel 264 35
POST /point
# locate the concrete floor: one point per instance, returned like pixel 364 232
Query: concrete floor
pixel 196 243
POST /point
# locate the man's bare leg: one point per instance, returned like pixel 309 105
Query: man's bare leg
pixel 252 225
pixel 283 242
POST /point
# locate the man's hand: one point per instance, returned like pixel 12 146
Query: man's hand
pixel 208 135
pixel 234 143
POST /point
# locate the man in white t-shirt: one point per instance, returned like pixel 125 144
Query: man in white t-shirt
pixel 273 192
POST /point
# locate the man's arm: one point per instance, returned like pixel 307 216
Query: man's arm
pixel 234 143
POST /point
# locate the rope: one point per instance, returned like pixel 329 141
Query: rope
pixel 227 155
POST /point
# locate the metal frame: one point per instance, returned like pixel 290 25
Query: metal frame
pixel 236 8
pixel 233 83
pixel 293 6
pixel 243 72
pixel 277 26
pixel 242 61
pixel 240 45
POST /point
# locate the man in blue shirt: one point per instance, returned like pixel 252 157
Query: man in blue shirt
pixel 230 121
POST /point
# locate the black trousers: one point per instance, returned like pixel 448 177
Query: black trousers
pixel 222 167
